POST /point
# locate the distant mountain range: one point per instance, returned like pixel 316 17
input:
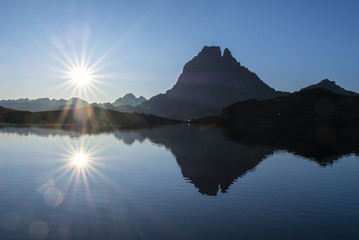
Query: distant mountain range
pixel 45 104
pixel 210 82
pixel 40 104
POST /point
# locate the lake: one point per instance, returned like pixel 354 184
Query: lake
pixel 173 182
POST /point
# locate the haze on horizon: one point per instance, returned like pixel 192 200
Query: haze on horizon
pixel 141 46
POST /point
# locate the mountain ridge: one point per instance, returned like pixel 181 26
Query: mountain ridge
pixel 332 86
pixel 47 104
pixel 316 104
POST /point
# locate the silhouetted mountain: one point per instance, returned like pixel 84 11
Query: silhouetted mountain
pixel 209 82
pixel 330 85
pixel 87 118
pixel 129 99
pixel 311 105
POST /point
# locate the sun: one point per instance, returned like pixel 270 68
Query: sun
pixel 81 76
pixel 80 159
pixel 82 72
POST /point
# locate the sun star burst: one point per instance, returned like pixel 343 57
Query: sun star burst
pixel 81 72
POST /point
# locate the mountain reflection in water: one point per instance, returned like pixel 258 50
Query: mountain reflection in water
pixel 213 158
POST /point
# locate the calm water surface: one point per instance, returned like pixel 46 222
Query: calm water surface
pixel 174 182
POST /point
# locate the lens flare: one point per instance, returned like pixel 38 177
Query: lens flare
pixel 53 197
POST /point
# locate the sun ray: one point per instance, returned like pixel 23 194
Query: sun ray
pixel 74 54
pixel 67 63
pixel 68 59
pixel 69 181
pixel 87 190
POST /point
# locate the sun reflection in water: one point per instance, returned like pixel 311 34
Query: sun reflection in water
pixel 80 159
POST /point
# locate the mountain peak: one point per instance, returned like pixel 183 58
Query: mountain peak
pixel 210 52
pixel 326 81
pixel 229 59
pixel 128 99
pixel 142 98
pixel 76 99
pixel 129 95
pixel 209 82
pixel 73 103
pixel 210 59
pixel 332 86
pixel 43 99
pixel 227 53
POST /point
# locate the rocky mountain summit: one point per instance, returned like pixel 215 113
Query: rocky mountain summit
pixel 129 100
pixel 208 83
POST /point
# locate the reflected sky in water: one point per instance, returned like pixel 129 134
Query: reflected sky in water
pixel 173 182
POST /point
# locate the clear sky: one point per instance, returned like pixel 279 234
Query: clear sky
pixel 141 46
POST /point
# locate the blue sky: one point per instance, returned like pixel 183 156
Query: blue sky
pixel 143 45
